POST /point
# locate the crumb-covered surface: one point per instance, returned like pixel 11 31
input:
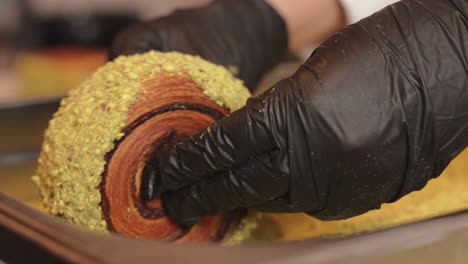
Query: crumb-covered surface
pixel 91 118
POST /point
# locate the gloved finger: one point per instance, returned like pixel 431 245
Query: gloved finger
pixel 254 183
pixel 229 142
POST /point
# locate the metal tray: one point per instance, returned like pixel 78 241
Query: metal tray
pixel 27 235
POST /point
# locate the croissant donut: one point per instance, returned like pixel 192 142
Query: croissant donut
pixel 104 132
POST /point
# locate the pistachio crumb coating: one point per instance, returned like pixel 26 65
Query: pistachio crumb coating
pixel 245 230
pixel 91 118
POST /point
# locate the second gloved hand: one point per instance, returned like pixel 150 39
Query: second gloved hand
pixel 247 36
pixel 372 115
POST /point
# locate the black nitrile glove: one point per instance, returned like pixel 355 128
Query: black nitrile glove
pixel 376 111
pixel 246 35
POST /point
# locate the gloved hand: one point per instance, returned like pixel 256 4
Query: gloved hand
pixel 375 112
pixel 248 36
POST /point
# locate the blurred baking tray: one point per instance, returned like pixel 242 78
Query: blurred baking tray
pixel 21 135
pixel 24 122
